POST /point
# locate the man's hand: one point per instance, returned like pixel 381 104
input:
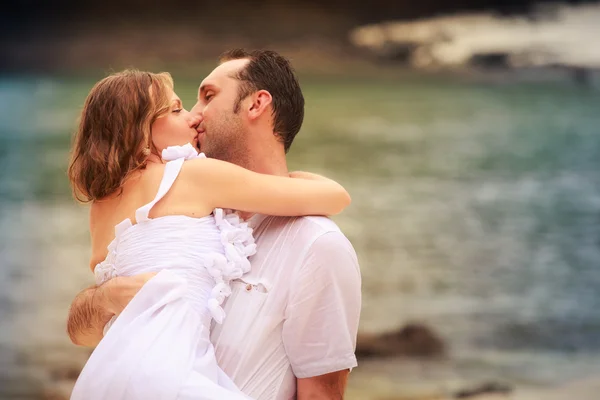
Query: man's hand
pixel 116 293
pixel 93 307
pixel 324 387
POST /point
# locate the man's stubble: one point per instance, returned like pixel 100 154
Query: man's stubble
pixel 228 141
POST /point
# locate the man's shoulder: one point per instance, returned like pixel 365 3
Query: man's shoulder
pixel 321 224
pixel 328 249
pixel 306 229
pixel 313 241
pixel 314 233
pixel 317 224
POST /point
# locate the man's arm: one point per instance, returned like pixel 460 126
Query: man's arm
pixel 87 317
pixel 95 306
pixel 324 387
pixel 321 319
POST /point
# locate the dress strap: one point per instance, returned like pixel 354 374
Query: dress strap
pixel 172 169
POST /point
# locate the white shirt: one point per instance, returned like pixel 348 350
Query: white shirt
pixel 296 313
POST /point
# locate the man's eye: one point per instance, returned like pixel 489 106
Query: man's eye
pixel 208 96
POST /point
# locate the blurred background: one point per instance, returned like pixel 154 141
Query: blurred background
pixel 465 130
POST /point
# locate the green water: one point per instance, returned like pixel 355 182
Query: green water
pixel 476 210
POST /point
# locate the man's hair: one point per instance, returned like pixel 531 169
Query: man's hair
pixel 268 70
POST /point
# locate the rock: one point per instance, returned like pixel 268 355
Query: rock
pixel 413 340
pixel 491 60
pixel 59 391
pixel 69 373
pixel 486 388
pixel 582 76
pixel 399 53
pixel 543 39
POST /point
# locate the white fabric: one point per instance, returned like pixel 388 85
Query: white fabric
pixel 295 313
pixel 187 152
pixel 158 348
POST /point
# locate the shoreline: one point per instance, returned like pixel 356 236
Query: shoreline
pixel 76 50
pixel 422 380
pixel 370 384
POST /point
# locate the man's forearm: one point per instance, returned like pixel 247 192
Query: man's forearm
pixel 324 387
pixel 87 318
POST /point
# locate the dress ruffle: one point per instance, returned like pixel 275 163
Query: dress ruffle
pixel 238 242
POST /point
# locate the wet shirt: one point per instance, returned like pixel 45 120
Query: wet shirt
pixel 296 313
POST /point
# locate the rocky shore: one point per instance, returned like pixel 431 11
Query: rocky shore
pixel 556 35
pixel 413 340
pixel 412 363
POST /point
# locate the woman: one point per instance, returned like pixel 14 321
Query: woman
pixel 148 216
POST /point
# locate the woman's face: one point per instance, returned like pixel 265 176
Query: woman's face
pixel 176 128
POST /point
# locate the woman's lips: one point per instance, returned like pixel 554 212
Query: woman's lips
pixel 196 142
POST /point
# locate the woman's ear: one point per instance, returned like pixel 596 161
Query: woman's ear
pixel 261 101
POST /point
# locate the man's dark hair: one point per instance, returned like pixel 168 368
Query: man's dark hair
pixel 268 70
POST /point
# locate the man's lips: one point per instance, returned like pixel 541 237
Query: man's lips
pixel 199 138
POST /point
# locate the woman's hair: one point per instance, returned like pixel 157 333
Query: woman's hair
pixel 114 133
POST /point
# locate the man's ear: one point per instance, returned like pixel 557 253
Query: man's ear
pixel 261 101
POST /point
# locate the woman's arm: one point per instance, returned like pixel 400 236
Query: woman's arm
pixel 308 175
pixel 226 185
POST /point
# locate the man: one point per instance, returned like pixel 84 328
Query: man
pixel 291 324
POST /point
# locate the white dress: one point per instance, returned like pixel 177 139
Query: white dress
pixel 159 347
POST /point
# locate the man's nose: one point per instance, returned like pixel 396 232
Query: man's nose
pixel 197 109
pixel 195 120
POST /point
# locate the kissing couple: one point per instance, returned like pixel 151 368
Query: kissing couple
pixel 218 274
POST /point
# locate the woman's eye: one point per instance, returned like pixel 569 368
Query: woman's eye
pixel 177 110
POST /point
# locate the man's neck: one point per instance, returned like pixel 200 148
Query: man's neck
pixel 267 159
pixel 269 167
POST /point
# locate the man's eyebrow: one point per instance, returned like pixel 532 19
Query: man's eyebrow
pixel 204 87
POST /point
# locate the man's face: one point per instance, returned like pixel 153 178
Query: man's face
pixel 221 132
